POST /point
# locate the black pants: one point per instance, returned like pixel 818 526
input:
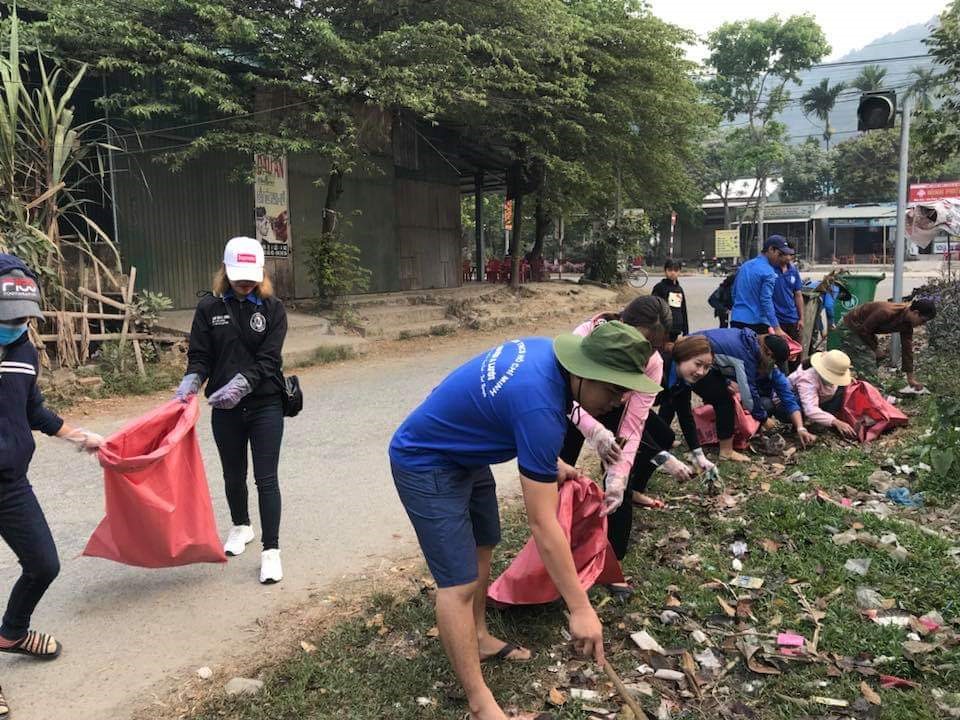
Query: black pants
pixel 657 436
pixel 835 404
pixel 724 319
pixel 262 428
pixel 25 530
pixel 758 328
pixel 712 389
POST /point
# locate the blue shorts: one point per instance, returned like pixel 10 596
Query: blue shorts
pixel 453 511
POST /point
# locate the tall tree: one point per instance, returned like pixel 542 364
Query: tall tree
pixel 938 131
pixel 807 173
pixel 870 78
pixel 923 83
pixel 753 62
pixel 865 169
pixel 819 101
pixel 724 160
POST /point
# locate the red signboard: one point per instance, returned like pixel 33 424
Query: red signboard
pixel 926 192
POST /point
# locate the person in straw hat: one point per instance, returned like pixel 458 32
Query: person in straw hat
pixel 822 388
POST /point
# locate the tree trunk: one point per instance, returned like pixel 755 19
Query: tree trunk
pixel 515 242
pixel 540 232
pixel 761 206
pixel 726 213
pixel 334 191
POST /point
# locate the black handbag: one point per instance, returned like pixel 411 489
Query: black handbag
pixel 291 394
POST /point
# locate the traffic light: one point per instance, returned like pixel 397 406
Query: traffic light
pixel 877 110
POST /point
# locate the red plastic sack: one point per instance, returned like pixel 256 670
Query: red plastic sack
pixel 868 412
pixel 527 582
pixel 796 349
pixel 745 425
pixel 159 512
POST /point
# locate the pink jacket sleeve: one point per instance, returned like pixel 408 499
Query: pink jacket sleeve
pixel 805 383
pixel 635 417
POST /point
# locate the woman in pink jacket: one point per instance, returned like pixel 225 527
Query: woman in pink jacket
pixel 821 389
pixel 648 438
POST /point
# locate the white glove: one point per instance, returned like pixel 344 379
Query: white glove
pixel 669 464
pixel 701 461
pixel 605 443
pixel 615 486
pixel 83 439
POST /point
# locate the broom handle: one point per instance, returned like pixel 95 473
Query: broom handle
pixel 622 690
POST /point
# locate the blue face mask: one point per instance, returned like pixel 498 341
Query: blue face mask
pixel 11 333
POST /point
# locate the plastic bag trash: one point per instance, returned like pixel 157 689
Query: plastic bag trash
pixel 738 548
pixel 790 640
pixel 707 660
pixel 902 496
pixel 158 509
pixel 745 581
pixel 860 566
pixel 645 641
pixel 908 390
pixel 526 581
pixel 869 599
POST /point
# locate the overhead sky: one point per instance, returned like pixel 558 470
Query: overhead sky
pixel 848 24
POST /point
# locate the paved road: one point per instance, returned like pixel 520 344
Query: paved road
pixel 126 629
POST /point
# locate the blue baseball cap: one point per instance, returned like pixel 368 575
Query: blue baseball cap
pixel 780 243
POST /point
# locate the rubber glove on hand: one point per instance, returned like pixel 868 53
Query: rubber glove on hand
pixel 190 385
pixel 701 461
pixel 605 443
pixel 615 486
pixel 678 470
pixel 230 395
pixel 83 439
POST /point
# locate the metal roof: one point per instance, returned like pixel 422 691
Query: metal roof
pixel 829 212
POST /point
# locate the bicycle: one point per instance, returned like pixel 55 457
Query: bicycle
pixel 637 277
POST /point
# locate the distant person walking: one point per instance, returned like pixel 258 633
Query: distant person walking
pixel 670 290
pixel 753 290
pixel 236 346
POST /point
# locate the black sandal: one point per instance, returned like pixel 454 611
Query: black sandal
pixel 4 708
pixel 503 655
pixel 37 645
pixel 620 593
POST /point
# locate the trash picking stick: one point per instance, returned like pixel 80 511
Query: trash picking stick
pixel 622 690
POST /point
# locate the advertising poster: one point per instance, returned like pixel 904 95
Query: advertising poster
pixel 272 206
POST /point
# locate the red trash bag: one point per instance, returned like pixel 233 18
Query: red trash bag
pixel 159 512
pixel 868 412
pixel 745 426
pixel 796 349
pixel 527 582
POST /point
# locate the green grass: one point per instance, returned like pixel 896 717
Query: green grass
pixel 361 672
pixel 326 354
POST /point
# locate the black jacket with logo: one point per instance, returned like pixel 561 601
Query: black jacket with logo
pixel 250 344
pixel 677 300
pixel 21 408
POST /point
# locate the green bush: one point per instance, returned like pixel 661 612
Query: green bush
pixel 943 331
pixel 334 267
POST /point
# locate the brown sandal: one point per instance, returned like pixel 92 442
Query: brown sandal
pixel 37 645
pixel 4 708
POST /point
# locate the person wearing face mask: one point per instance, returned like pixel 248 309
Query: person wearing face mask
pixel 821 389
pixel 647 439
pixel 509 402
pixel 22 410
pixel 236 347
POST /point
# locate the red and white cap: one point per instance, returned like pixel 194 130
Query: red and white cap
pixel 243 259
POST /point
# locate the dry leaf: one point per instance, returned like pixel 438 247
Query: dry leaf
pixel 556 697
pixel 308 647
pixel 871 695
pixel 745 608
pixel 690 561
pixel 771 546
pixel 375 621
pixel 749 651
pixel 433 632
pixel 672 601
pixel 765 487
pixel 728 609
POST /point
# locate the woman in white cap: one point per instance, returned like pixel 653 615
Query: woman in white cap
pixel 235 346
pixel 821 388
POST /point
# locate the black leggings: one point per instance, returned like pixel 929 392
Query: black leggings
pixel 712 389
pixel 657 437
pixel 262 428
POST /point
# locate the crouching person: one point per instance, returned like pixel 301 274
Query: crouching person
pixel 511 402
pixel 22 523
pixel 821 389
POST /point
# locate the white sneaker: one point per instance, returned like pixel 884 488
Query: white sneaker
pixel 270 569
pixel 237 539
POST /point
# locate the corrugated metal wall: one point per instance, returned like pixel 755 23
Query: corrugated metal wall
pixel 174 228
pixel 428 232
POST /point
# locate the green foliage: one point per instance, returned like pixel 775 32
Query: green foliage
pixel 334 267
pixel 938 131
pixel 807 173
pixel 117 368
pixel 51 169
pixel 870 78
pixel 148 306
pixel 865 168
pixel 819 101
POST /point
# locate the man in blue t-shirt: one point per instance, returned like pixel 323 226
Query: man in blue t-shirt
pixel 788 300
pixel 753 305
pixel 511 402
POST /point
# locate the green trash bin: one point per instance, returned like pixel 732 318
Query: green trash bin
pixel 862 289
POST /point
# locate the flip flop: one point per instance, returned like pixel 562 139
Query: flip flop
pixel 620 593
pixel 503 655
pixel 4 708
pixel 36 645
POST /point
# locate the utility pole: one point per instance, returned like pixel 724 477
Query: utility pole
pixel 901 244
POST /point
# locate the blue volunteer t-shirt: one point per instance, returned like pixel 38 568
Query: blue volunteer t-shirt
pixel 788 282
pixel 510 402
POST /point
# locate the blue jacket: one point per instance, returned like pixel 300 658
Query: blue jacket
pixel 736 352
pixel 788 284
pixel 22 410
pixel 753 293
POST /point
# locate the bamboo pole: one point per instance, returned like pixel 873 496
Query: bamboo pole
pixel 96 274
pixel 103 299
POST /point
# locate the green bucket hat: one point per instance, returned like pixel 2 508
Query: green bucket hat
pixel 613 353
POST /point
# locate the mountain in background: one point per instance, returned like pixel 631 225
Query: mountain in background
pixel 907 42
